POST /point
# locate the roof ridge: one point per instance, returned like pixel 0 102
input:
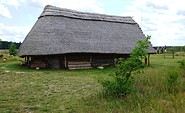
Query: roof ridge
pixel 50 10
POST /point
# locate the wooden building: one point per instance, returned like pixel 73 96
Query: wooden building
pixel 63 38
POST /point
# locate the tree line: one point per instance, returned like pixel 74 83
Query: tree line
pixel 6 44
pixel 177 49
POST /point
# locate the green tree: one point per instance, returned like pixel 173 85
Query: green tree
pixel 12 49
pixel 121 82
pixel 0 43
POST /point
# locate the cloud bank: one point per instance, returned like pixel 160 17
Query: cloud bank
pixel 164 20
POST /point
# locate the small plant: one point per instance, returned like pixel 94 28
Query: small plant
pixel 172 81
pixel 121 82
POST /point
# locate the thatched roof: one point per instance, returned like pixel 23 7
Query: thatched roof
pixel 60 31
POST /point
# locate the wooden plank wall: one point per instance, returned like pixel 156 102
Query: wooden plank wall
pixel 78 60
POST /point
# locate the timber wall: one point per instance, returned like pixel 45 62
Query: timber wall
pixel 65 61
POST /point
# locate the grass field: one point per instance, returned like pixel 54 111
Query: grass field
pixel 25 90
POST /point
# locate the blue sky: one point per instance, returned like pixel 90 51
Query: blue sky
pixel 164 20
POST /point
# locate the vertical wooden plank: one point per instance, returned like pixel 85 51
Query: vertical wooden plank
pixel 114 60
pixel 91 59
pixel 148 59
pixel 28 61
pixel 65 62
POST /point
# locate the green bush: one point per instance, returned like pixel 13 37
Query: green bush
pixel 121 82
pixel 172 81
pixel 12 49
pixel 182 64
pixel 118 86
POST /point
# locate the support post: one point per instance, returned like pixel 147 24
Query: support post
pixel 28 60
pixel 65 62
pixel 91 59
pixel 148 59
pixel 114 61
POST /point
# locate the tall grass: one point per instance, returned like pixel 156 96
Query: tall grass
pixel 180 54
pixel 29 90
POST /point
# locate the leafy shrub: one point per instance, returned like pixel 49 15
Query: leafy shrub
pixel 172 81
pixel 118 86
pixel 12 49
pixel 182 64
pixel 121 82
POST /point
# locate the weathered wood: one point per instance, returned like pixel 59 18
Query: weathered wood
pixel 53 63
pixel 100 59
pixel 80 68
pixel 103 64
pixel 90 58
pixel 65 62
pixel 79 65
pixel 38 63
pixel 28 61
pixel 76 63
pixel 148 59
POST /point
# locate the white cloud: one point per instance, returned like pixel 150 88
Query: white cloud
pixel 162 19
pixel 82 5
pixel 13 33
pixel 14 3
pixel 4 11
pixel 18 33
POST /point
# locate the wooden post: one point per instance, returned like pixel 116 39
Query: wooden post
pixel 91 59
pixel 148 59
pixel 28 60
pixel 65 62
pixel 114 61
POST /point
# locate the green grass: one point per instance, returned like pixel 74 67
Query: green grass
pixel 168 61
pixel 5 54
pixel 29 90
